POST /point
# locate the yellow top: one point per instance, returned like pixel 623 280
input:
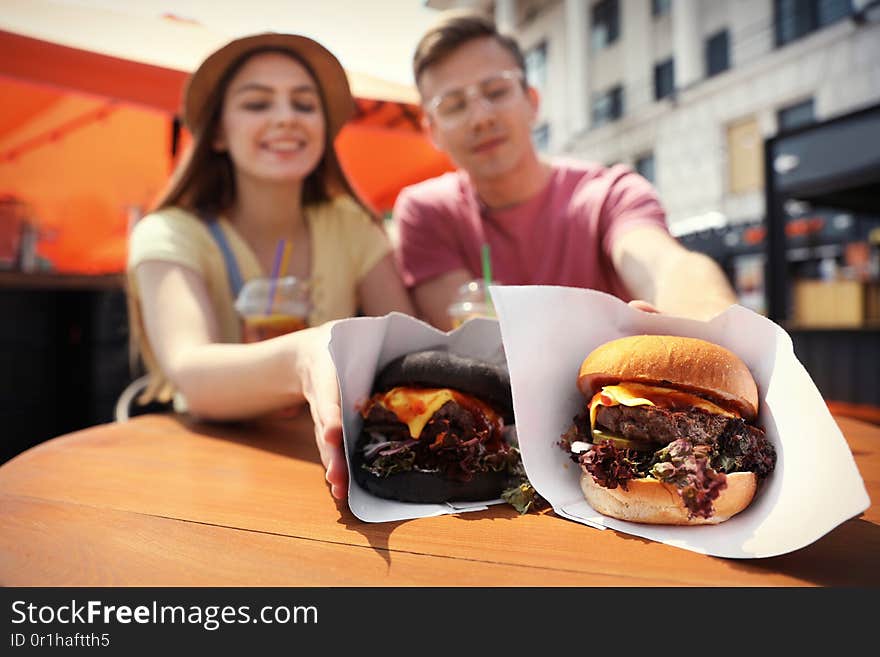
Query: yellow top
pixel 346 245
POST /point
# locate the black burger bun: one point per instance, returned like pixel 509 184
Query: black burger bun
pixel 436 368
pixel 431 488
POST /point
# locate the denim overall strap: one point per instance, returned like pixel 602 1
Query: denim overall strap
pixel 235 281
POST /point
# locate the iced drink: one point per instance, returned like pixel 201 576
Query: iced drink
pixel 263 317
pixel 472 300
pixel 262 327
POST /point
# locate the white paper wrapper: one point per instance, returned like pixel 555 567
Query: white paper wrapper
pixel 548 331
pixel 360 347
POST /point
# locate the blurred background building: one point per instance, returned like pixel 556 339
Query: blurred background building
pixel 706 98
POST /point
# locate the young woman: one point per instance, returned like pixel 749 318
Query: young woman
pixel 263 112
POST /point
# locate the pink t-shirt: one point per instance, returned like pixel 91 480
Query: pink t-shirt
pixel 562 236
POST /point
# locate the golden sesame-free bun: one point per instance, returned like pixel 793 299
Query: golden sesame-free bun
pixel 654 502
pixel 687 364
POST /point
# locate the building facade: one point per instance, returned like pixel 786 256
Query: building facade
pixel 686 91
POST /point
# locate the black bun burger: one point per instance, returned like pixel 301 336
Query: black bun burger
pixel 434 430
pixel 667 436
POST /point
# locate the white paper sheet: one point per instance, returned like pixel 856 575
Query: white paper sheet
pixel 360 347
pixel 548 331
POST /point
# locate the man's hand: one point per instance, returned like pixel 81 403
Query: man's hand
pixel 320 388
pixel 654 266
pixel 644 306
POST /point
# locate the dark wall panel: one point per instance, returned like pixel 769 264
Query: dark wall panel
pixel 63 362
pixel 845 364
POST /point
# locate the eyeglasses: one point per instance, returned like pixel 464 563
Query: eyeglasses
pixel 495 92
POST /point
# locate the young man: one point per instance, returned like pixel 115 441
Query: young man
pixel 557 223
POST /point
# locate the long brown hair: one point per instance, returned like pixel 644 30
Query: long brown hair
pixel 203 181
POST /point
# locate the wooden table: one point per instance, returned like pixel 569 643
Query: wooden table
pixel 162 500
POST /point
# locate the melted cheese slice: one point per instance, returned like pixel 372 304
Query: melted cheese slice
pixel 640 394
pixel 415 406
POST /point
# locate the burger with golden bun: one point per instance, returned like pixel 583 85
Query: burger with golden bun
pixel 668 434
pixel 438 428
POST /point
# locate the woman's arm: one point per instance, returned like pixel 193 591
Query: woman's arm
pixel 382 290
pixel 234 381
pixel 219 381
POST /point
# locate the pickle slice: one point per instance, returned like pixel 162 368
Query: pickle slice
pixel 600 436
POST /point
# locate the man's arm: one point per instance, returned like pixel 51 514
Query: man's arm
pixel 432 298
pixel 381 291
pixel 656 268
pixel 430 231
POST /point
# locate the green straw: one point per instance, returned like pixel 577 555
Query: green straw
pixel 487 272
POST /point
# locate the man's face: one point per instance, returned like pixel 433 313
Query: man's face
pixel 477 110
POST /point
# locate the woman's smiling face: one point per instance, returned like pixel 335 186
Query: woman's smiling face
pixel 272 123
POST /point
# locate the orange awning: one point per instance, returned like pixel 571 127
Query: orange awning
pixel 86 125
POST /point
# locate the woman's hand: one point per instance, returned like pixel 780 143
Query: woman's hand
pixel 320 388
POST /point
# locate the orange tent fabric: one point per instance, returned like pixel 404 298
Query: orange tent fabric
pixel 86 144
pixel 83 166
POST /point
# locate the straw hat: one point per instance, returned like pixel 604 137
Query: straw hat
pixel 338 102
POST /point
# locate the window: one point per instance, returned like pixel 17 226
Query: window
pixel 797 18
pixel 529 13
pixel 605 24
pixel 664 79
pixel 717 53
pixel 645 167
pixel 660 7
pixel 536 66
pixel 831 11
pixel 795 116
pixel 608 106
pixel 745 157
pixel 541 137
